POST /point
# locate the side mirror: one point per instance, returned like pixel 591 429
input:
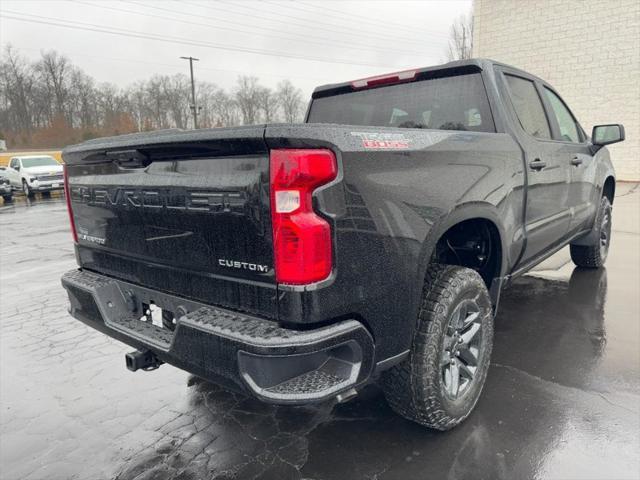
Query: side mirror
pixel 17 168
pixel 607 134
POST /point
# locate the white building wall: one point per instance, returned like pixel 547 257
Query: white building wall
pixel 589 50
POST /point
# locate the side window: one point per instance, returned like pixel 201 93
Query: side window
pixel 14 163
pixel 568 127
pixel 397 117
pixel 528 107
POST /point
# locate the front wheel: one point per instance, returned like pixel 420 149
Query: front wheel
pixel 440 381
pixel 26 190
pixel 7 198
pixel 595 254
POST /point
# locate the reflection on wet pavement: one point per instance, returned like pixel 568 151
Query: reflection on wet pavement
pixel 562 398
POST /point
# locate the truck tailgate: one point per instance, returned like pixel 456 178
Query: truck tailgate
pixel 182 212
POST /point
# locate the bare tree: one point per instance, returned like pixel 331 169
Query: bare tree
pixel 50 102
pixel 83 100
pixel 247 96
pixel 227 110
pixel 55 71
pixel 461 38
pixel 157 103
pixel 177 96
pixel 269 104
pixel 290 98
pixel 17 85
pixel 205 94
pixel 137 97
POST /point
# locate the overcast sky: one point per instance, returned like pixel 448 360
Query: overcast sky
pixel 309 42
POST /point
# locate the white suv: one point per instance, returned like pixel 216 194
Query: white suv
pixel 35 173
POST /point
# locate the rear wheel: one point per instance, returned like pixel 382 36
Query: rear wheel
pixel 7 198
pixel 440 382
pixel 594 255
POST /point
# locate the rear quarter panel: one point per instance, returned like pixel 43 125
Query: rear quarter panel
pixel 389 206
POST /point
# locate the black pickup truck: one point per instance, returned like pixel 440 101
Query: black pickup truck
pixel 300 262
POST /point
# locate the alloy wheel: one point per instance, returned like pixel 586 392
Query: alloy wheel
pixel 462 349
pixel 605 234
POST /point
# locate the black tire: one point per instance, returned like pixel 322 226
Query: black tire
pixel 594 255
pixel 417 388
pixel 26 189
pixel 7 198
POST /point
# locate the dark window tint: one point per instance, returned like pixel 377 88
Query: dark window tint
pixel 568 127
pixel 450 103
pixel 528 106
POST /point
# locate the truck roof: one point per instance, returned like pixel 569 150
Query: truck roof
pixel 446 69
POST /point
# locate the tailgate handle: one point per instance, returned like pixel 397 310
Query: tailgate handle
pixel 129 159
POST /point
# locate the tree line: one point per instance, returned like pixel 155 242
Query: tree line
pixel 50 102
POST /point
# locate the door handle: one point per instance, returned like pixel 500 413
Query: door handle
pixel 576 161
pixel 537 164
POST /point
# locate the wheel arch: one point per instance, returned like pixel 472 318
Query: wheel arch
pixel 472 212
pixel 609 188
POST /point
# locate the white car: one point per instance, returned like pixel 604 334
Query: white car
pixel 35 173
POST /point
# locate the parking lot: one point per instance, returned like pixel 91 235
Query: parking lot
pixel 562 399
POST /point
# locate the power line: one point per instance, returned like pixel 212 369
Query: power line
pixel 207 25
pixel 176 66
pixel 351 30
pixel 306 34
pixel 316 25
pixel 364 19
pixel 170 39
pixel 358 18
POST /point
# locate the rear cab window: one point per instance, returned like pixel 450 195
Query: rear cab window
pixel 447 103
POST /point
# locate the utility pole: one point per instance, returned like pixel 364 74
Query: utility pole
pixel 194 106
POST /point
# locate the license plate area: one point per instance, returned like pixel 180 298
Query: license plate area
pixel 159 317
pixel 147 315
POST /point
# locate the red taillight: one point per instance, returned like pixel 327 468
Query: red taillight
pixel 67 194
pixel 386 79
pixel 301 238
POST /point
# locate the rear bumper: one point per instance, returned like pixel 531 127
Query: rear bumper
pixel 276 364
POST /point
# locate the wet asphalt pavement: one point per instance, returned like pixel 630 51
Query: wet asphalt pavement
pixel 562 398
